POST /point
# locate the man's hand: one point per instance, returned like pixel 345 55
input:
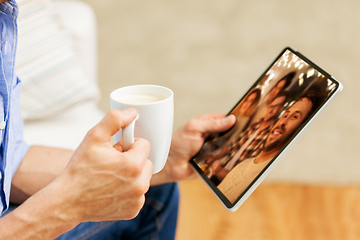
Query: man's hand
pixel 100 183
pixel 186 142
pixel 107 184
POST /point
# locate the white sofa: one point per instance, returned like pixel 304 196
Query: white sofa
pixel 67 128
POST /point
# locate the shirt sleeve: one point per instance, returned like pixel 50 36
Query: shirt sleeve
pixel 15 147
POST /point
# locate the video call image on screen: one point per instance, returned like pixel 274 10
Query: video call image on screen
pixel 267 118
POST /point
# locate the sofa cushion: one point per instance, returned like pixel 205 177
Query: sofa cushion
pixel 53 78
pixel 65 130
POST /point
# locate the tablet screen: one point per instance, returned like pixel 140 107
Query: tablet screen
pixel 268 117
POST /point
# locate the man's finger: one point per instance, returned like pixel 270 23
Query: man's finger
pixel 140 150
pixel 113 121
pixel 147 173
pixel 217 124
pixel 118 146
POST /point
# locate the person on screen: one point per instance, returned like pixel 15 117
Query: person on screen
pixel 282 84
pixel 245 111
pixel 244 173
pixel 250 142
pixel 248 104
pixel 275 91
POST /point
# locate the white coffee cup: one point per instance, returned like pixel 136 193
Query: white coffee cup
pixel 154 122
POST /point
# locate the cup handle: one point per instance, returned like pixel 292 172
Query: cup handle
pixel 128 135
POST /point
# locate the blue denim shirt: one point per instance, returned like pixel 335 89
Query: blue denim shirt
pixel 13 147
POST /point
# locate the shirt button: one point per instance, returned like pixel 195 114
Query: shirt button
pixel 2 125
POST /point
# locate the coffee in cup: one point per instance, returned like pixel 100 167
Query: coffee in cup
pixel 141 98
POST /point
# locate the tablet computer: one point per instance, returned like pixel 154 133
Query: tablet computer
pixel 270 117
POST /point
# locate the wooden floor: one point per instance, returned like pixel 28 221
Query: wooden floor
pixel 272 212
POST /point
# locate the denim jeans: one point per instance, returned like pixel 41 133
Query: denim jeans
pixel 156 221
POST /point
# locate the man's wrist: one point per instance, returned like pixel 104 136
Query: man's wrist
pixel 45 215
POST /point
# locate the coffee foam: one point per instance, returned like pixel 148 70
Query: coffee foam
pixel 141 98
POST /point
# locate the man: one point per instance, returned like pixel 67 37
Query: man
pixel 88 190
pixel 244 173
pixel 250 142
pixel 282 84
pixel 280 87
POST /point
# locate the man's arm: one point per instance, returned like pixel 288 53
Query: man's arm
pixel 40 166
pixel 79 193
pixel 100 183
